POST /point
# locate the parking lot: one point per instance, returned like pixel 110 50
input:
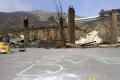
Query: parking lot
pixel 61 64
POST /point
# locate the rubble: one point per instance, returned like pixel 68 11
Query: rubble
pixel 109 45
pixel 118 39
pixel 91 37
pixel 72 45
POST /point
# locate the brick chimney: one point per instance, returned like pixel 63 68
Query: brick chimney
pixel 71 24
pixel 113 26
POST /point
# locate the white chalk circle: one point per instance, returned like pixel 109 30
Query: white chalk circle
pixel 41 69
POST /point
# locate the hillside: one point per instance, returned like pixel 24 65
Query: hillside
pixel 43 15
pixel 13 21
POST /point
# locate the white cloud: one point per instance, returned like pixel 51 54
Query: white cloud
pixel 14 5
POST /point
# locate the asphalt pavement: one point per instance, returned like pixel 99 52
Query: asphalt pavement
pixel 61 64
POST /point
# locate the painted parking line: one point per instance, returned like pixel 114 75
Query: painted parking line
pixel 48 72
pixel 106 60
pixel 109 60
pixel 101 60
pixel 112 61
pixel 76 62
pixel 26 69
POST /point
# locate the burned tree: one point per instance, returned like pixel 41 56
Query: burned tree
pixel 61 41
pixel 60 19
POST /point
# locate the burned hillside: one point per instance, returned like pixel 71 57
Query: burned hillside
pixel 12 22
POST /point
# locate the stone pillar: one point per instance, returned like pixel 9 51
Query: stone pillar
pixel 26 31
pixel 71 24
pixel 113 27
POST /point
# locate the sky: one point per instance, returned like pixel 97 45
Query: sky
pixel 86 8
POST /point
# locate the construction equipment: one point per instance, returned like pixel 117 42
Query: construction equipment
pixel 4 48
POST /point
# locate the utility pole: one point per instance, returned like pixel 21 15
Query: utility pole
pixel 71 24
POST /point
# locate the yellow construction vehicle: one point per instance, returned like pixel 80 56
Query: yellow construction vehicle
pixel 4 48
